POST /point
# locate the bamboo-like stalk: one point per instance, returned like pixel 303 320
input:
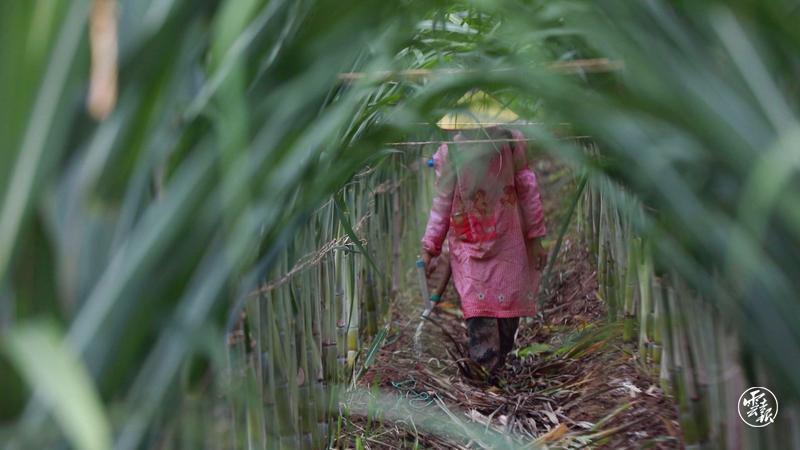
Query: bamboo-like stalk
pixel 351 311
pixel 591 225
pixel 696 319
pixel 329 301
pixel 611 278
pixel 371 302
pixel 397 232
pixel 254 375
pixel 683 390
pixel 716 380
pixel 269 399
pixel 305 402
pixel 657 327
pixel 619 247
pixel 602 258
pixel 667 362
pixel 580 219
pixel 630 291
pixel 644 275
pixel 286 370
pixel 339 302
pixel 236 360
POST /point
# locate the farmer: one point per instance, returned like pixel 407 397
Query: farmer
pixel 488 199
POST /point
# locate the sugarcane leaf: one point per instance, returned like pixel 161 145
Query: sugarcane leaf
pixel 534 349
pixel 377 341
pixel 61 382
pixel 348 228
pixel 32 154
pixel 545 284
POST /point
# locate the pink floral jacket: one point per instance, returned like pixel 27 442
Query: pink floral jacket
pixel 489 204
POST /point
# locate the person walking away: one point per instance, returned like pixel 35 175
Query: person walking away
pixel 487 197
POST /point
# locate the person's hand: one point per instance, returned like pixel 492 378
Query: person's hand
pixel 426 259
pixel 537 254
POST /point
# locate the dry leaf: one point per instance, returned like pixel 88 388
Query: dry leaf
pixel 553 435
pixel 103 41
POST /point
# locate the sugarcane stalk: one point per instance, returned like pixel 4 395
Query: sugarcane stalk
pixel 688 404
pixel 631 294
pixel 644 275
pixel 269 360
pixel 285 369
pixel 591 226
pixel 340 265
pixel 297 294
pixel 602 258
pixel 600 241
pixel 656 349
pixel 370 303
pixel 235 354
pixel 619 255
pixel 697 319
pixel 254 374
pixel 313 347
pixel 350 308
pixel 668 361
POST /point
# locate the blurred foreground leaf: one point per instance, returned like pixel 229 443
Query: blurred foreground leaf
pixel 61 382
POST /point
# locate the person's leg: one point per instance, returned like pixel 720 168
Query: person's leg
pixel 507 329
pixel 484 341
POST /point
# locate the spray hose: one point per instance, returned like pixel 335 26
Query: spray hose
pixel 422 279
pixel 430 300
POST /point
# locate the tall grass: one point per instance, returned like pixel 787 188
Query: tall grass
pixel 139 235
pixel 304 330
pixel 683 339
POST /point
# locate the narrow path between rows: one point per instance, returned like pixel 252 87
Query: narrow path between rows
pixel 571 383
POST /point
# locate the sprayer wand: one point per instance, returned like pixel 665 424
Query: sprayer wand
pixel 430 300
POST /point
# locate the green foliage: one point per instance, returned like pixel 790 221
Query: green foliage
pixel 62 384
pixel 231 129
pixel 533 349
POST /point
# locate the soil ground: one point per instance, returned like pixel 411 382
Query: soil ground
pixel 570 383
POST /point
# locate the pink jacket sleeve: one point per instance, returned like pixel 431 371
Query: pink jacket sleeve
pixel 439 218
pixel 530 201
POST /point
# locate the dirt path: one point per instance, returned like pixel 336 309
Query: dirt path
pixel 571 382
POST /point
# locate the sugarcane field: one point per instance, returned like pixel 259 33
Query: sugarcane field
pixel 361 224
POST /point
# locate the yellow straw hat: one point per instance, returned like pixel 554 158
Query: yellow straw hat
pixel 477 109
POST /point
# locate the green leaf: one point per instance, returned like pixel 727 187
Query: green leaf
pixel 534 349
pixel 61 382
pixel 559 241
pixel 348 228
pixel 373 349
